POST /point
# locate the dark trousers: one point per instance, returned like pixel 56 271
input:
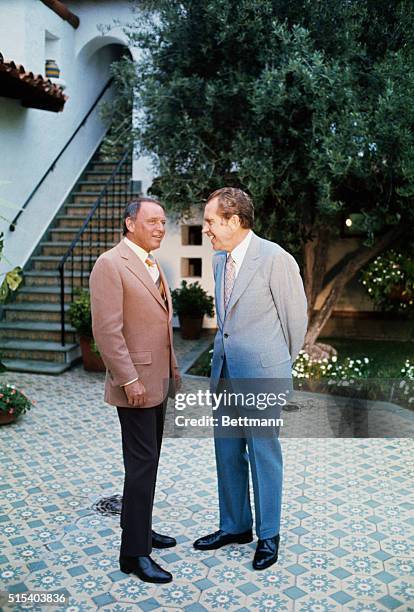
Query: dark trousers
pixel 141 430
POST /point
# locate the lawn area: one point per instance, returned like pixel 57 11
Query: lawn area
pixel 386 357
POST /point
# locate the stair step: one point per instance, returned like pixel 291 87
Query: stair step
pixel 33 349
pixel 35 366
pixel 41 294
pixel 88 202
pixel 102 173
pixel 39 289
pixel 74 222
pixel 35 325
pixel 94 192
pixel 94 184
pixel 51 278
pixel 59 248
pixel 51 262
pixel 38 307
pixel 36 330
pixel 98 172
pixel 34 311
pixel 65 236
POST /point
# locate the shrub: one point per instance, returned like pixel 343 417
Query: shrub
pixel 191 299
pixel 13 401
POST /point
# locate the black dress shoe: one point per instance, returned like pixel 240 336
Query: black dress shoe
pixel 266 553
pixel 162 541
pixel 145 568
pixel 221 538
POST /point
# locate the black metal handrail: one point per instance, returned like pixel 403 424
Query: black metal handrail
pixel 12 226
pixel 98 231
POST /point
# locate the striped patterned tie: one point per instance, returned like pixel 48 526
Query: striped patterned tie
pixel 156 276
pixel 229 278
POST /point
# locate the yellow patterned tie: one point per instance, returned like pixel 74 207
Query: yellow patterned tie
pixel 151 262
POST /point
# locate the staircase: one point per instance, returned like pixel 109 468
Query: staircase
pixel 30 331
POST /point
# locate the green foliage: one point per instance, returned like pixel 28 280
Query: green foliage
pixel 12 278
pixel 389 280
pixel 13 401
pixel 191 299
pixel 305 105
pixel 80 313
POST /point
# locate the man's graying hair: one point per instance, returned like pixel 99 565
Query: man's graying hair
pixel 133 207
pixel 233 201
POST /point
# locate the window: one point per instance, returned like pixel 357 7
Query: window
pixel 191 267
pixel 191 235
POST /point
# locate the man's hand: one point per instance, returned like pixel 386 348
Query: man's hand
pixel 135 393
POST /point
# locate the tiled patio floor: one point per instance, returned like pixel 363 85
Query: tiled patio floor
pixel 347 538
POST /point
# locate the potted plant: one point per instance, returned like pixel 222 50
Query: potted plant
pixel 81 319
pixel 191 302
pixel 13 403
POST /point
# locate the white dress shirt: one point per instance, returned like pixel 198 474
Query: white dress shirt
pixel 239 252
pixel 143 255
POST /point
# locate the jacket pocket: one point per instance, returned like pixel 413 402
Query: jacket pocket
pixel 141 357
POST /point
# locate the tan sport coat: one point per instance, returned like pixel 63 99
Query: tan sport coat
pixel 132 326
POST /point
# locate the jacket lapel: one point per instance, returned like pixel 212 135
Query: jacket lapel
pixel 136 266
pixel 167 292
pixel 248 268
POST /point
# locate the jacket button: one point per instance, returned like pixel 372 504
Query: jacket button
pixel 226 335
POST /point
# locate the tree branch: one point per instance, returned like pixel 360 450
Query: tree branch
pixel 349 269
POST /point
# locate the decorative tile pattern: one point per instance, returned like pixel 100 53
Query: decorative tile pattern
pixel 347 539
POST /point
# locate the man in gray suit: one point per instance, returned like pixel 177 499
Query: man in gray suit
pixel 261 317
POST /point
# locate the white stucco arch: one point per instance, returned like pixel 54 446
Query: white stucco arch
pixel 95 44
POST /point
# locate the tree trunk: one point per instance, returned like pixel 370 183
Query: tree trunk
pixel 315 257
pixel 352 265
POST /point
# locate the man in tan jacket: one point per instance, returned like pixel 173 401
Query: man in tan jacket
pixel 131 320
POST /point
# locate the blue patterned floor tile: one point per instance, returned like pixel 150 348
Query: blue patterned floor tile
pixel 249 588
pixel 78 570
pixel 341 573
pixel 298 549
pixel 195 607
pixel 341 597
pixel 390 603
pixel 148 605
pixel 385 577
pixel 104 599
pixel 381 555
pixel 36 565
pixel 294 593
pixel 203 584
pixel 211 562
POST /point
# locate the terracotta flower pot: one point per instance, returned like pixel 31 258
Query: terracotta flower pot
pixel 191 326
pixel 91 361
pixel 6 418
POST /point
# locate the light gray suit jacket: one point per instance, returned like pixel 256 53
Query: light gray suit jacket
pixel 263 328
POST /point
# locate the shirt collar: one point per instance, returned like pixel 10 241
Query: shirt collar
pixel 142 253
pixel 240 250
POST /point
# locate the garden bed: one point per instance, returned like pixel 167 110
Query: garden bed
pixel 364 369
